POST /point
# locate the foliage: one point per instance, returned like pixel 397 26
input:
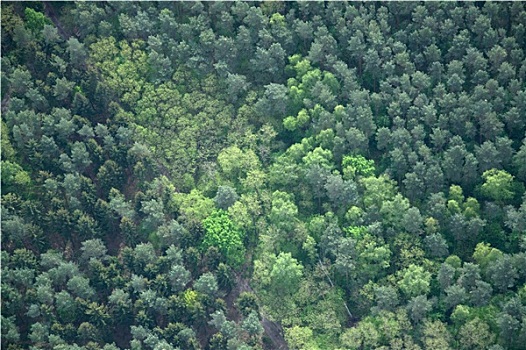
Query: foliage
pixel 361 166
pixel 221 232
pixel 497 185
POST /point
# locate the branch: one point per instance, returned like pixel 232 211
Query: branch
pixel 332 285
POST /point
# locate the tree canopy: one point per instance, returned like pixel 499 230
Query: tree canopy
pixel 263 175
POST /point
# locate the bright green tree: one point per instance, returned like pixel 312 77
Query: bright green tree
pixel 414 280
pixel 222 233
pixel 354 166
pixel 497 185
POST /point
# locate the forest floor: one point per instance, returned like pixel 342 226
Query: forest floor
pixel 50 13
pixel 272 330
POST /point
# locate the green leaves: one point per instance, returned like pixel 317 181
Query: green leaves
pixel 14 177
pixel 223 234
pixel 284 212
pixel 331 174
pixel 354 166
pixel 194 205
pixel 414 280
pixel 497 185
pixel 285 274
pixel 236 163
pixel 35 20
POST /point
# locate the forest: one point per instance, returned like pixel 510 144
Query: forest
pixel 263 175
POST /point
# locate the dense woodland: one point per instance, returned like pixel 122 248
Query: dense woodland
pixel 263 175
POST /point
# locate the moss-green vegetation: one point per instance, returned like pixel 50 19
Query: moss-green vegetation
pixel 243 175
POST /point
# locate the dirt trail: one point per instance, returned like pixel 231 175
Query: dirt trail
pixel 272 329
pixel 50 13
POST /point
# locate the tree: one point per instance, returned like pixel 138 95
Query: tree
pixel 519 161
pixel 35 21
pixel 221 232
pixel 414 186
pixel 342 193
pixel 503 274
pixel 236 163
pixel 469 275
pixel 497 185
pixel 171 233
pixel 274 102
pixel 9 329
pixel 80 287
pixel 66 307
pixel 153 209
pixel 77 52
pixel 93 248
pixel 284 210
pixel 346 256
pixel 481 294
pixel 63 88
pixel 364 335
pixel 475 335
pixel 160 148
pixel 80 157
pixel 485 255
pixel 63 272
pixel 316 177
pixel 225 197
pixel 217 342
pixel 455 295
pixel 509 326
pixel 436 336
pixel 88 332
pixel 247 303
pixel 50 34
pixel 414 280
pixel 219 321
pixel 285 274
pixel 377 190
pixel 206 284
pixel 120 304
pixel 252 325
pixel 271 61
pixel 436 245
pixel 418 307
pixel 300 338
pixel 324 46
pixel 412 221
pixel 194 205
pixel 14 177
pixel 39 333
pixel 110 176
pixel 386 298
pixel 179 277
pixel 373 255
pixel 20 81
